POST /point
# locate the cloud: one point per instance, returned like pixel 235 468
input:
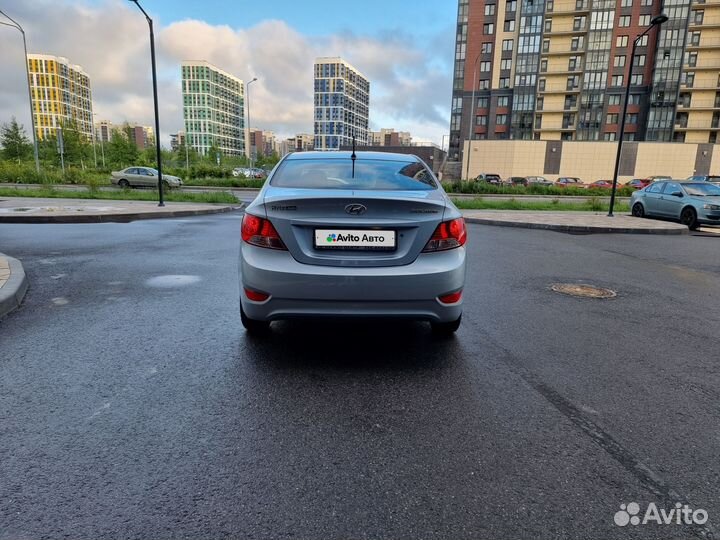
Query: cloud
pixel 410 79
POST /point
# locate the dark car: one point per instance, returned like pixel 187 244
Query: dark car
pixel 490 178
pixel 569 181
pixel 538 181
pixel 516 181
pixel 712 178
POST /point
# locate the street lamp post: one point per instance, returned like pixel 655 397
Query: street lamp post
pixel 102 147
pixel 472 116
pixel 656 21
pixel 247 100
pixel 27 71
pixel 155 98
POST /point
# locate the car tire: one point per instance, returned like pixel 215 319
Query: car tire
pixel 124 184
pixel 253 326
pixel 445 329
pixel 638 210
pixel 688 217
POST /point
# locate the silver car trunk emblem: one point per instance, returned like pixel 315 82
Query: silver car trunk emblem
pixel 356 209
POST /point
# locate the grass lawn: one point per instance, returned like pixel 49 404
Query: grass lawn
pixel 551 205
pixel 121 195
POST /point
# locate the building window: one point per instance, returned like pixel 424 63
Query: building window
pixel 691 59
pixel 507 45
pixel 548 25
pixel 611 118
pixel 549 5
pixel 546 45
pixel 631 118
pixel 646 3
pixel 540 103
pixel 617 80
pixel 645 20
pixel 614 99
pixel 624 20
pixel 634 99
pixel 483 102
pixel 626 3
pixel 504 82
pixel 505 63
pixel 484 85
pixel 486 48
pixel 510 5
pixel 577 43
pixel 503 101
pixel 636 79
pixel 541 85
pixel 543 65
pixel 489 10
pixel 639 60
pixel 484 66
pixel 501 119
pixel 570 102
pixel 698 16
pixel 579 23
pixel 643 41
pixel 488 29
pixel 538 121
pixel 509 25
pixel 619 61
pixel 621 41
pixel 581 5
pixel 481 120
pixel 609 136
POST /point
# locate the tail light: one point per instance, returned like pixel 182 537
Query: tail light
pixel 448 235
pixel 452 298
pixel 260 232
pixel 256 296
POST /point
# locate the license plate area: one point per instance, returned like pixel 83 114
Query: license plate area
pixel 356 239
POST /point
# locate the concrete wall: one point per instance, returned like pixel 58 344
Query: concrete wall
pixel 589 161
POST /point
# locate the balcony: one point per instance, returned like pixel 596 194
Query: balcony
pixel 564 52
pixel 707 43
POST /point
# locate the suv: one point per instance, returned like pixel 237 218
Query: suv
pixel 490 178
pixel 538 181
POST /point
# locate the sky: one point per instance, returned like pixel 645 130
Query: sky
pixel 404 47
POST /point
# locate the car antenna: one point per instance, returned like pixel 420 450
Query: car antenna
pixel 353 157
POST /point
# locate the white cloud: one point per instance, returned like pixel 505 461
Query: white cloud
pixel 410 81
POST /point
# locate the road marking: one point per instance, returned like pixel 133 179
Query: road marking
pixel 60 301
pixel 100 409
pixel 169 281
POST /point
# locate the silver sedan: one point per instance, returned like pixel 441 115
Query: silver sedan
pixel 143 177
pixel 691 203
pixel 335 234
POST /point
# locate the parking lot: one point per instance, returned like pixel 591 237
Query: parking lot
pixel 132 404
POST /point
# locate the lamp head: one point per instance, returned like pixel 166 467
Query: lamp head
pixel 658 19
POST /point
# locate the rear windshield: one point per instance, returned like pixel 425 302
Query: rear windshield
pixel 369 174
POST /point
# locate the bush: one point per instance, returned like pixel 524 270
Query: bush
pixel 485 188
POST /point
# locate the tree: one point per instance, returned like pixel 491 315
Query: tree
pixel 14 141
pixel 121 151
pixel 76 147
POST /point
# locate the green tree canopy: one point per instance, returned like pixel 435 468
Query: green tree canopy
pixel 121 151
pixel 14 141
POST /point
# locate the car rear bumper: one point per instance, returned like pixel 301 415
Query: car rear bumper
pixel 303 290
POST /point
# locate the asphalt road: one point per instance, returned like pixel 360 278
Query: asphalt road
pixel 132 405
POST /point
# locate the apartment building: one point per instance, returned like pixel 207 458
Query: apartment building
pixel 342 104
pixel 213 108
pixel 389 137
pixel 142 136
pixel 103 131
pixel 558 69
pixel 60 94
pixel 177 140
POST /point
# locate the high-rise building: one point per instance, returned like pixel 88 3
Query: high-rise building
pixel 342 101
pixel 302 142
pixel 389 137
pixel 142 136
pixel 103 131
pixel 177 140
pixel 557 70
pixel 213 108
pixel 60 95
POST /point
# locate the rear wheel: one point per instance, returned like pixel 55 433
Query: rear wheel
pixel 638 210
pixel 253 326
pixel 124 184
pixel 446 328
pixel 689 217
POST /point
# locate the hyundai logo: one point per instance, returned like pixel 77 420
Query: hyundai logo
pixel 356 209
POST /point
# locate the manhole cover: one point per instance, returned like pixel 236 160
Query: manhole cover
pixel 583 291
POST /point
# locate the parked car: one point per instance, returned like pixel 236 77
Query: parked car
pixel 490 178
pixel 601 184
pixel 143 177
pixel 714 179
pixel 538 181
pixel 328 236
pixel 569 181
pixel 691 203
pixel 516 181
pixel 639 183
pixel 248 172
pixel 240 171
pixel 659 178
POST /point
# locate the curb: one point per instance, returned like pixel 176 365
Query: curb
pixel 117 218
pixel 13 292
pixel 574 229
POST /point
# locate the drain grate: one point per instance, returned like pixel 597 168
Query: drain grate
pixel 582 291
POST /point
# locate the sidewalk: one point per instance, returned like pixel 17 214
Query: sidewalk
pixel 35 210
pixel 13 284
pixel 574 222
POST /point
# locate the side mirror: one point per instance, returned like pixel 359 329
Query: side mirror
pixel 676 194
